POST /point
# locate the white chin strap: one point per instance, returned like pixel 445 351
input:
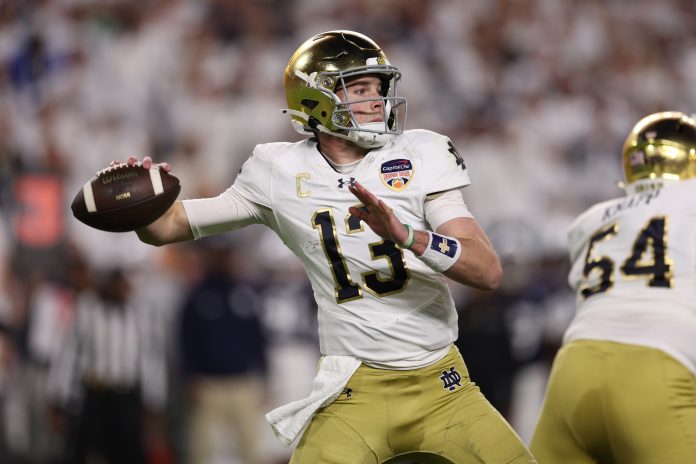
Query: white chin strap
pixel 361 138
pixel 371 139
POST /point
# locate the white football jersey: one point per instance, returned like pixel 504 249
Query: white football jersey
pixel 634 271
pixel 376 302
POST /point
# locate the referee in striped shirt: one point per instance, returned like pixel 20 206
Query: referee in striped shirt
pixel 113 368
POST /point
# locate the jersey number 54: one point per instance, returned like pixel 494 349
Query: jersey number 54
pixel 648 258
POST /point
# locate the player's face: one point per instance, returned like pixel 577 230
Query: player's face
pixel 361 88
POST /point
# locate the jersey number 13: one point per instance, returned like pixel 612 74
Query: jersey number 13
pixel 346 289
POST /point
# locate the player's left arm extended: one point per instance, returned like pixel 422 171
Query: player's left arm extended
pixel 475 263
pixel 478 264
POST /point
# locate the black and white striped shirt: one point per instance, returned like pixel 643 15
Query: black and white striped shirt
pixel 113 346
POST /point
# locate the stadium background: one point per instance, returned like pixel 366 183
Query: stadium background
pixel 537 96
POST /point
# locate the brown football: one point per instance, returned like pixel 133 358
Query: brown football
pixel 124 198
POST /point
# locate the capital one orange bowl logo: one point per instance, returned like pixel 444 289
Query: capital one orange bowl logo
pixel 396 174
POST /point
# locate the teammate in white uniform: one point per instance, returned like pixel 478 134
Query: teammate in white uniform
pixel 623 386
pixel 358 202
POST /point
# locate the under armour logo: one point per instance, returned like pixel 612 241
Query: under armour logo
pixel 451 379
pixel 342 182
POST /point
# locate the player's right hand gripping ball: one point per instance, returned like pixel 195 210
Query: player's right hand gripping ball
pixel 122 198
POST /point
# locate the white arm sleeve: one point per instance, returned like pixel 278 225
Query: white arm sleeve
pixel 228 211
pixel 441 207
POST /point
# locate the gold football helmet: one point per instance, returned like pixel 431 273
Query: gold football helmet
pixel 661 147
pixel 320 67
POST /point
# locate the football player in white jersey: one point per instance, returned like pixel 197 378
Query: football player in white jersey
pixel 376 215
pixel 623 385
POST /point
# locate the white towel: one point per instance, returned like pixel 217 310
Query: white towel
pixel 289 420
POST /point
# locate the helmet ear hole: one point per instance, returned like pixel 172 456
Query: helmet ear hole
pixel 311 104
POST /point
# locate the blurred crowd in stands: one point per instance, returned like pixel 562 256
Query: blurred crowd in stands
pixel 537 96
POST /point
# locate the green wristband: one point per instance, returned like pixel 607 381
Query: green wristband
pixel 410 239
